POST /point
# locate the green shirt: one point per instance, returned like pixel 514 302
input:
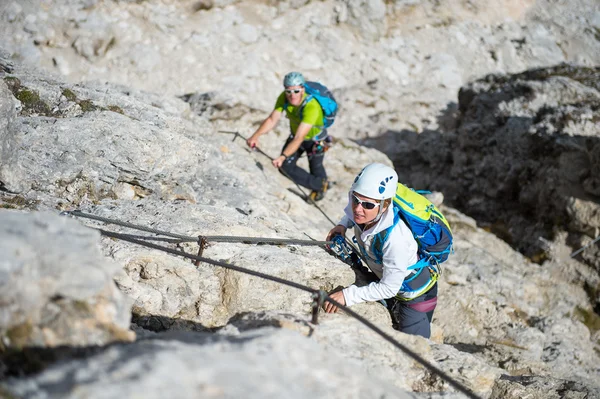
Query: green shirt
pixel 312 113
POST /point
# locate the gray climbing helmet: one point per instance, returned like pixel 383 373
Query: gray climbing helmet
pixel 293 79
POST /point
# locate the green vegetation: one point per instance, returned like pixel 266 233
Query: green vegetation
pixel 32 103
pixel 17 202
pixel 87 106
pixel 82 307
pixel 69 95
pixel 589 318
pixel 19 335
pixel 28 97
pixel 116 109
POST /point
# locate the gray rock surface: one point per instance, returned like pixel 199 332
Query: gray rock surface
pixel 499 314
pixel 130 131
pixel 256 364
pixel 56 288
pixel 524 151
pixel 395 65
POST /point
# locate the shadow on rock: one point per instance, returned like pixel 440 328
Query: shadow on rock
pixel 158 323
pixel 32 360
pixel 523 160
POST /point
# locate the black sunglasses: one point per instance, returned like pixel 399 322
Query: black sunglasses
pixel 295 91
pixel 365 204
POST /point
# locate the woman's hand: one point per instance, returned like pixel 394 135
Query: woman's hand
pixel 339 229
pixel 336 296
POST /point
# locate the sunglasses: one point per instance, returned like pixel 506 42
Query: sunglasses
pixel 295 91
pixel 365 204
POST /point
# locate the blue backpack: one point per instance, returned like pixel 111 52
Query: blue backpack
pixel 325 99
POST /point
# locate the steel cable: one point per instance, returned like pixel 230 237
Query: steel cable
pixel 283 172
pixel 237 134
pixel 182 238
pixel 574 254
pixel 313 291
pixel 131 225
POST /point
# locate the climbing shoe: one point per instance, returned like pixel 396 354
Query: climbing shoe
pixel 318 195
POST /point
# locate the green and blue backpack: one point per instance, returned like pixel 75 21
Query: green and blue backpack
pixel 430 230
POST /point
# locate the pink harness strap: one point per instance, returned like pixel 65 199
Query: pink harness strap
pixel 425 306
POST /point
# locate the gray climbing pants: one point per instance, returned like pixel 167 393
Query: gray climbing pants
pixel 414 317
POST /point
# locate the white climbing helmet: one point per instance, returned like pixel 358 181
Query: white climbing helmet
pixel 376 181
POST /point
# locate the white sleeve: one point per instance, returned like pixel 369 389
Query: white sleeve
pixel 399 252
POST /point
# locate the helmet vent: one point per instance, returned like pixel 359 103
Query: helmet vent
pixel 383 183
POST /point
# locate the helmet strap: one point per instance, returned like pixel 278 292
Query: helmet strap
pixel 380 212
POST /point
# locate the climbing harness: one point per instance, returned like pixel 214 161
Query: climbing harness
pixel 321 146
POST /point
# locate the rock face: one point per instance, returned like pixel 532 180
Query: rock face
pixel 256 364
pixel 151 154
pixel 501 322
pixel 394 64
pixel 56 287
pixel 523 159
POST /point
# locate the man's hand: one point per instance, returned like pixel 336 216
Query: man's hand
pixel 252 141
pixel 336 296
pixel 277 162
pixel 339 229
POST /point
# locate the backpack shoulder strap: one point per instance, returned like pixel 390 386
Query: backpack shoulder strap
pixel 381 238
pixel 304 102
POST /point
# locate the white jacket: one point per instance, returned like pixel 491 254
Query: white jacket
pixel 399 252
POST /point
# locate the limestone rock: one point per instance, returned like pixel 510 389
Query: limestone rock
pixel 57 288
